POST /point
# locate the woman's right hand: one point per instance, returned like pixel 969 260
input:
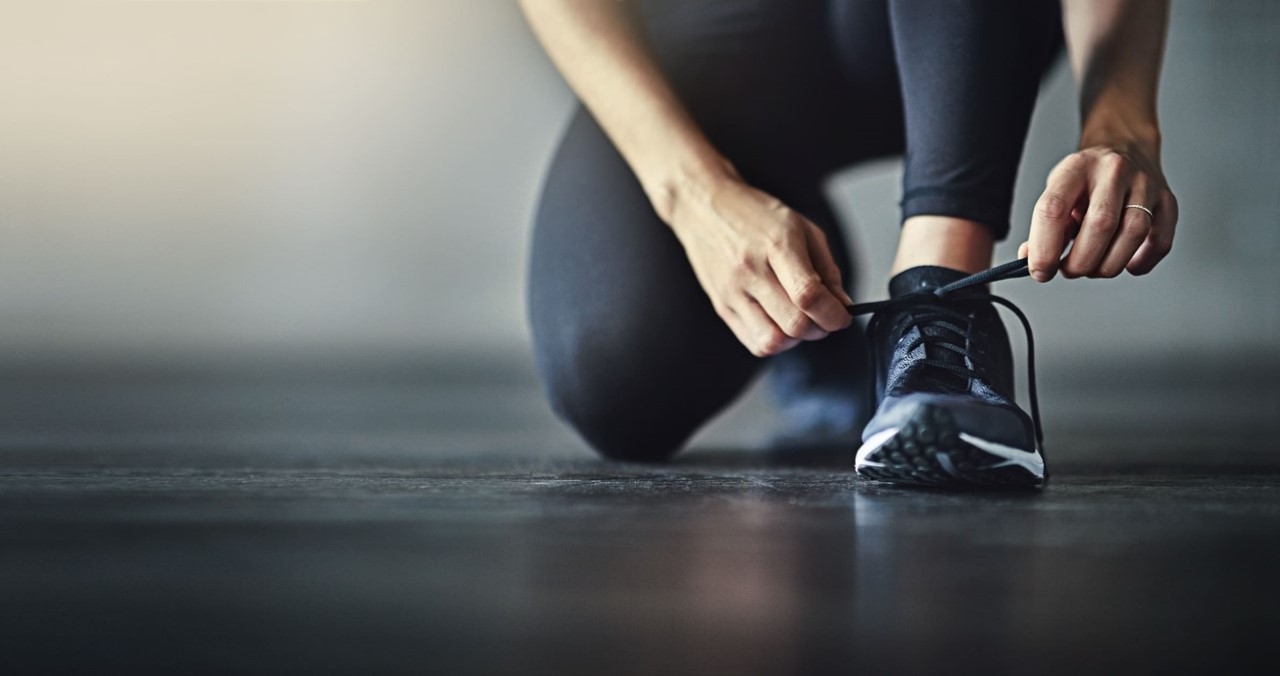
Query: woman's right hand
pixel 767 269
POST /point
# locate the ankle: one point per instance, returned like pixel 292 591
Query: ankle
pixel 944 241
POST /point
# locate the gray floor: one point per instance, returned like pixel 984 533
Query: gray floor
pixel 396 517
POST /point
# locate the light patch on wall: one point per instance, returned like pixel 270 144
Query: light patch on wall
pixel 244 1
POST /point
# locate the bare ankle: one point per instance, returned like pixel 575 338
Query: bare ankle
pixel 944 241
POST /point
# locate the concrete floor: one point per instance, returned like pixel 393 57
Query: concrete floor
pixel 418 520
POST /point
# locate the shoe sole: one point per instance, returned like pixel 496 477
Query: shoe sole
pixel 930 450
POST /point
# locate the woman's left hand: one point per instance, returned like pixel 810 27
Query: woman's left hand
pixel 1086 198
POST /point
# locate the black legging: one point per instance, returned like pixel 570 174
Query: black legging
pixel 631 352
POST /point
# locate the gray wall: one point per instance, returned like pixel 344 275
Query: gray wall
pixel 219 177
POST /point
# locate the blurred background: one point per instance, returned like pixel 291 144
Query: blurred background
pixel 187 182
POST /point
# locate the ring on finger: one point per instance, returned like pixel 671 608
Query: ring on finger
pixel 1149 212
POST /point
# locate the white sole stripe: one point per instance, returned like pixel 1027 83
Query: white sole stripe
pixel 871 445
pixel 1031 461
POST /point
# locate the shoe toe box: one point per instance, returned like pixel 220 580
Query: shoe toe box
pixel 994 421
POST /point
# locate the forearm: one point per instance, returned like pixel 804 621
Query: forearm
pixel 1116 48
pixel 597 48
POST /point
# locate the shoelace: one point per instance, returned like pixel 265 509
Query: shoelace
pixel 955 322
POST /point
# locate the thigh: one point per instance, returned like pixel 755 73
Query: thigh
pixel 630 349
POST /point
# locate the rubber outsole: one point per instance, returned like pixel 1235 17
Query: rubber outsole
pixel 930 450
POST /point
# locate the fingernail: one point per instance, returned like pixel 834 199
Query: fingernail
pixel 1040 275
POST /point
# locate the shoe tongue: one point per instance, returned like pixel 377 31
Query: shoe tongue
pixel 922 278
pixel 927 278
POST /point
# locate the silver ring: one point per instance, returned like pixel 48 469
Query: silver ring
pixel 1150 213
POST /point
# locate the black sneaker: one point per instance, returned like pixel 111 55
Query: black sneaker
pixel 946 414
pixel 819 390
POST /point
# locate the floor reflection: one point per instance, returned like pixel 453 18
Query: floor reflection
pixel 797 572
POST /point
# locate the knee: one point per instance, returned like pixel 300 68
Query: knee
pixel 620 434
pixel 621 410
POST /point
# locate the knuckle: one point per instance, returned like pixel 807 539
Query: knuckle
pixel 777 243
pixel 780 213
pixel 810 293
pixel 1100 223
pixel 776 206
pixel 1109 271
pixel 795 327
pixel 1052 205
pixel 1071 163
pixel 1103 215
pixel 1074 269
pixel 1113 160
pixel 1136 228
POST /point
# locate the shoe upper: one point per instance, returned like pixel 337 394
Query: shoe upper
pixel 951 351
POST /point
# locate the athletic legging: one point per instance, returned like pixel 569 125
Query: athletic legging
pixel 630 351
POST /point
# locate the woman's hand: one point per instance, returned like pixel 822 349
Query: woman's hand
pixel 1116 48
pixel 1085 199
pixel 767 269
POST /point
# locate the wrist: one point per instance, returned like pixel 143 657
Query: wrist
pixel 691 177
pixel 1120 130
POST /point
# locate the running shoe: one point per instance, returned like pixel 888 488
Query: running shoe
pixel 819 390
pixel 945 413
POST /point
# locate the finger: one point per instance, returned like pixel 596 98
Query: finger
pixel 769 294
pixel 1135 225
pixel 1022 250
pixel 1101 220
pixel 824 263
pixel 802 284
pixel 765 338
pixel 1051 221
pixel 1160 240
